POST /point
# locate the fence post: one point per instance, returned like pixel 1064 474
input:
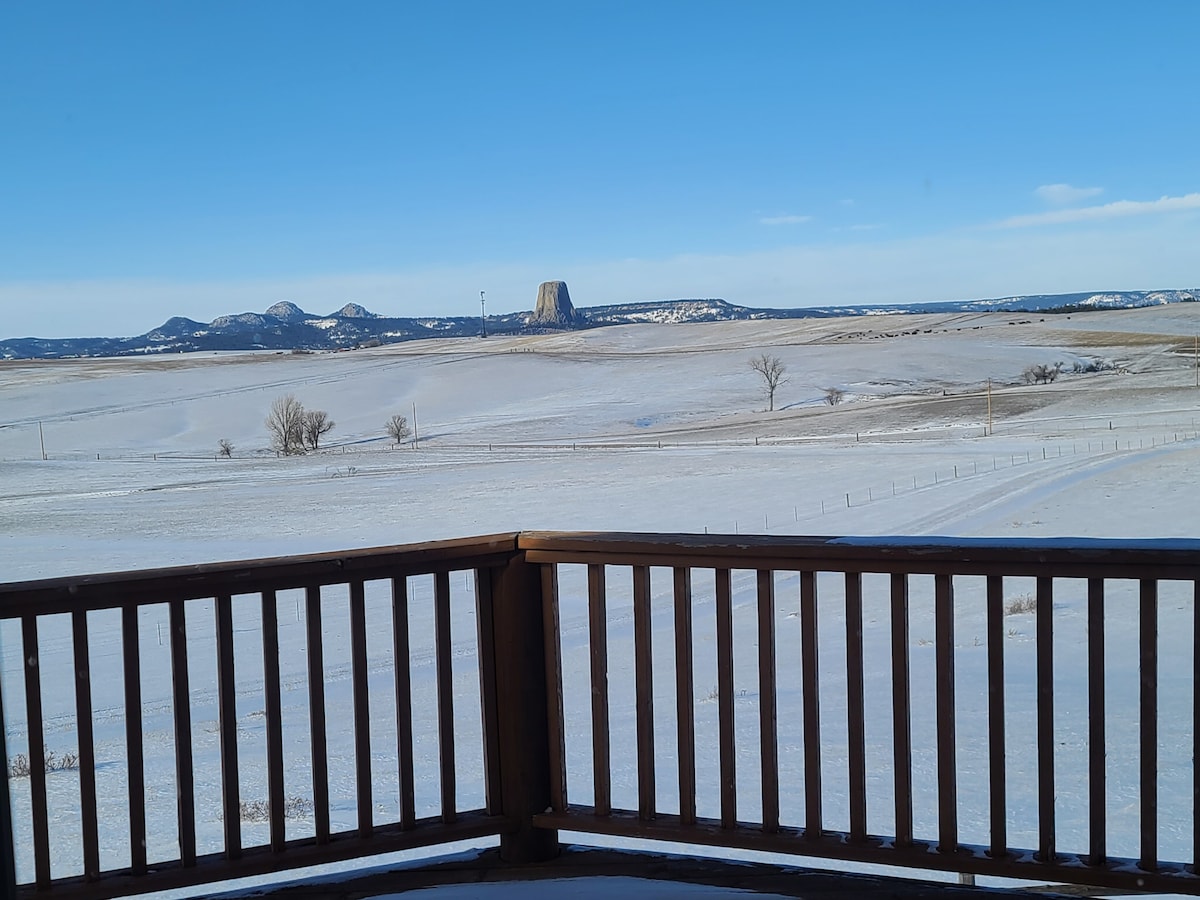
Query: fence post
pixel 8 866
pixel 520 703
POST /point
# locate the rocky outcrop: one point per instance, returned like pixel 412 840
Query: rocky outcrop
pixel 354 311
pixel 287 311
pixel 554 309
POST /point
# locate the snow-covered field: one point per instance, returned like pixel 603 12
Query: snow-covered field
pixel 639 428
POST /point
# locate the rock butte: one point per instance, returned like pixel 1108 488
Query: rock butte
pixel 554 307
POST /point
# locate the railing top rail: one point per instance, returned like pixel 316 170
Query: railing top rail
pixel 248 576
pixel 1174 558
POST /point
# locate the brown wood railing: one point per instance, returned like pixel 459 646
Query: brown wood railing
pixel 967 706
pixel 198 663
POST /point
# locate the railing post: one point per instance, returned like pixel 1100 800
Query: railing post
pixel 520 698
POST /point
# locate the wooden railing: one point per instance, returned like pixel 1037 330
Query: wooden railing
pixel 353 613
pixel 977 707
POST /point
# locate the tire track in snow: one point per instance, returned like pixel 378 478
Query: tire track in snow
pixel 981 511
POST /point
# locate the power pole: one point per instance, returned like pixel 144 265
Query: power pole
pixel 415 447
pixel 482 318
pixel 989 398
pixel 42 439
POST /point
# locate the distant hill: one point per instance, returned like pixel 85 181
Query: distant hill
pixel 285 326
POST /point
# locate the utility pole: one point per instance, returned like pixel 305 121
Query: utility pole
pixel 415 446
pixel 482 318
pixel 1196 357
pixel 989 398
pixel 42 439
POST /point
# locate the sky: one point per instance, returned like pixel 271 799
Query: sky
pixel 201 159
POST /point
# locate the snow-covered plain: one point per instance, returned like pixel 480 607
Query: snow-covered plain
pixel 637 428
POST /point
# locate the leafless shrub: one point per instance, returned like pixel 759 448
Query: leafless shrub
pixel 1041 373
pixel 20 766
pixel 1022 603
pixel 1088 365
pixel 834 395
pixel 225 447
pixel 260 810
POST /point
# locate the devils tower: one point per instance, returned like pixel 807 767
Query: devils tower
pixel 554 309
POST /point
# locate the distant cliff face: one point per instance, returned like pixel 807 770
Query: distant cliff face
pixel 554 309
pixel 285 326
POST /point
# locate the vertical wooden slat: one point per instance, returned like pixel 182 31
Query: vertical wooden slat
pixel 644 687
pixel 445 695
pixel 1195 728
pixel 185 791
pixel 8 865
pixel 685 693
pixel 726 738
pixel 37 752
pixel 134 754
pixel 486 648
pixel 598 645
pixel 360 699
pixel 227 726
pixel 901 710
pixel 1148 720
pixel 855 716
pixel 811 689
pixel 404 722
pixel 1097 753
pixel 768 728
pixel 947 765
pixel 87 747
pixel 997 781
pixel 556 738
pixel 316 712
pixel 1045 718
pixel 272 708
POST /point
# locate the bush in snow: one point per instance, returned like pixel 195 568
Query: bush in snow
pixel 20 766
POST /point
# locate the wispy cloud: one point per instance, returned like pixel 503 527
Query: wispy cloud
pixel 1119 209
pixel 784 220
pixel 1065 194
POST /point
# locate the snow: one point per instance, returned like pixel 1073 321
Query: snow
pixel 580 889
pixel 640 428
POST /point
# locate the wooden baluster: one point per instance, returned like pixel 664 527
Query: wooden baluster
pixel 598 648
pixel 685 696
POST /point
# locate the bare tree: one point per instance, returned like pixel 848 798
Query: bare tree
pixel 313 424
pixel 397 429
pixel 772 370
pixel 1041 373
pixel 225 447
pixel 285 424
pixel 834 395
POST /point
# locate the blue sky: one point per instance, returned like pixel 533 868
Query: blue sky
pixel 203 158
